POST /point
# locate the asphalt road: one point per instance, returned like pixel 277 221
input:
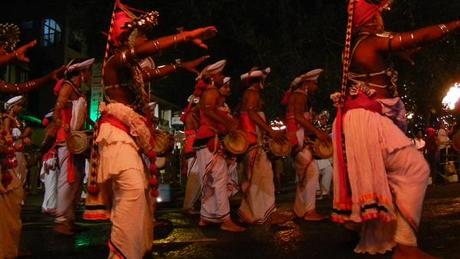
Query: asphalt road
pixel 182 238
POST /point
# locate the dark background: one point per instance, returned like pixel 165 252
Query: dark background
pixel 291 36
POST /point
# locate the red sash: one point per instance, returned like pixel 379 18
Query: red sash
pixel 107 118
pixel 249 127
pixel 209 128
pixel 66 116
pixel 190 136
pixel 292 127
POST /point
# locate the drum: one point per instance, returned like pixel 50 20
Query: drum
pixel 164 142
pixel 280 149
pixel 78 142
pixel 322 150
pixel 236 142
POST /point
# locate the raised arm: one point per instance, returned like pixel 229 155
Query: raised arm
pixel 151 47
pixel 19 88
pixel 17 55
pixel 161 71
pixel 419 38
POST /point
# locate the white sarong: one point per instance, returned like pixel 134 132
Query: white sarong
pixel 259 189
pixel 215 206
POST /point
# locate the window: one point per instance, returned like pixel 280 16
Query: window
pixel 51 32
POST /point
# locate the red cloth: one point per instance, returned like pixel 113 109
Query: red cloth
pixel 190 136
pixel 66 116
pixel 286 96
pixel 344 200
pixel 119 20
pixel 249 127
pixel 292 127
pixel 57 87
pixel 50 154
pixel 62 135
pixel 107 118
pixel 365 11
pixel 209 128
pixel 200 87
pixel 361 101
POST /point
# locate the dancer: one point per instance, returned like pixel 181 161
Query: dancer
pixel 122 129
pixel 380 180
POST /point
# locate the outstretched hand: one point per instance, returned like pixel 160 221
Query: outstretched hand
pixel 192 64
pixel 21 51
pixel 199 35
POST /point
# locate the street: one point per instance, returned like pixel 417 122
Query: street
pixel 180 237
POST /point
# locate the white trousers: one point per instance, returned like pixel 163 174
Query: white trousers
pixel 193 186
pixel 49 178
pixel 132 222
pixel 325 171
pixel 307 180
pixel 68 194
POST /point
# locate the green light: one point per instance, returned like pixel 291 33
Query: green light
pixel 96 95
pixel 30 118
pixel 82 241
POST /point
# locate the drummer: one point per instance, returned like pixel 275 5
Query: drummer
pixel 324 164
pixel 258 201
pixel 69 115
pixel 214 122
pixel 190 118
pixel 298 122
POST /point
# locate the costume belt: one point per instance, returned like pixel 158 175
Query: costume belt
pixel 112 120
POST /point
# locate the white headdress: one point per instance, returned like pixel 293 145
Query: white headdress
pixel 12 101
pixel 309 76
pixel 80 66
pixel 254 73
pixel 212 69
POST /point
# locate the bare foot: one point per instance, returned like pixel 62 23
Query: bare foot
pixel 204 223
pixel 314 216
pixel 280 217
pixel 230 226
pixel 410 252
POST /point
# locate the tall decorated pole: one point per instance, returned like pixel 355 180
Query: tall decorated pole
pixel 92 184
pixel 342 200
